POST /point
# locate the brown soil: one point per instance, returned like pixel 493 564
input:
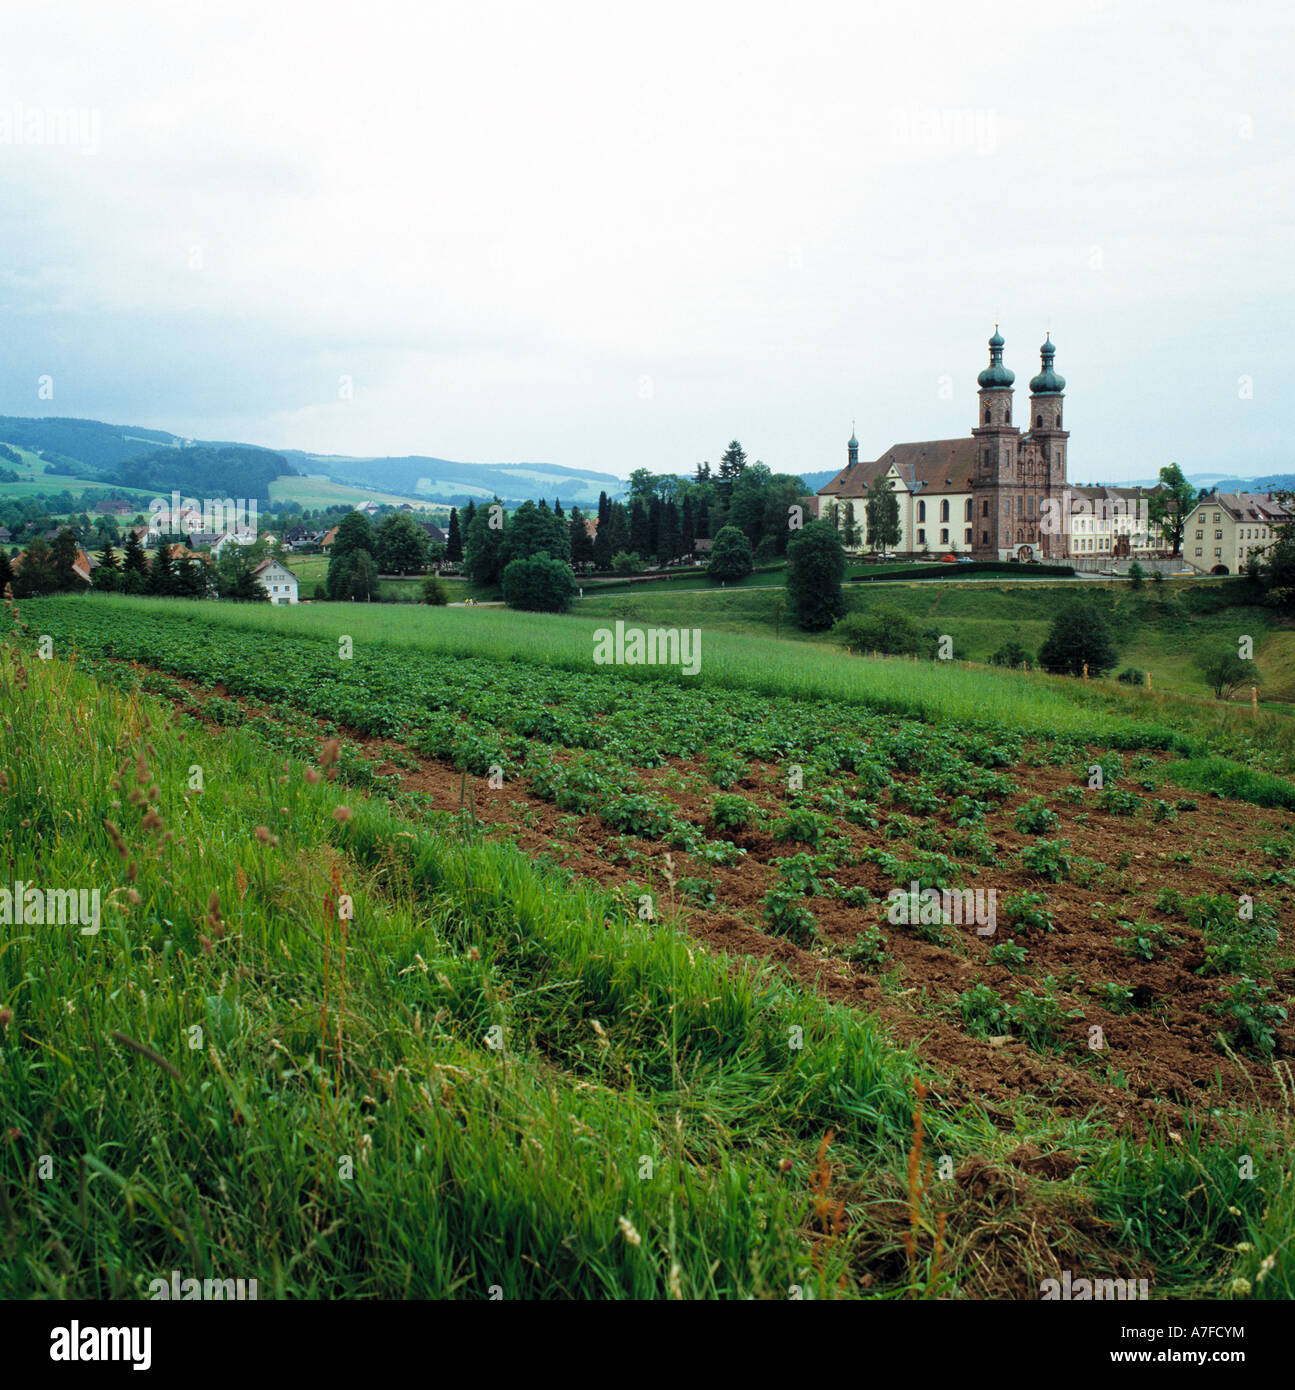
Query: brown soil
pixel 1160 1062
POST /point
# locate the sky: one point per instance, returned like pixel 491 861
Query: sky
pixel 616 236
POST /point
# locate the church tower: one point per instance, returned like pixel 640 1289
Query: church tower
pixel 997 452
pixel 1047 392
pixel 853 447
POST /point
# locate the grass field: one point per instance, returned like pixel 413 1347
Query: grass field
pixel 1157 630
pixel 314 492
pixel 393 1032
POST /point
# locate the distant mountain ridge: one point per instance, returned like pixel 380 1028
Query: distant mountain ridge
pixel 103 453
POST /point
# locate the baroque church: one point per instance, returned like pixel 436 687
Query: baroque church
pixel 982 495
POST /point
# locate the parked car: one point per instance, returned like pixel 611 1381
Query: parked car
pixel 965 560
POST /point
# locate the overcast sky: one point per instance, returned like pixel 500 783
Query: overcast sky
pixel 616 236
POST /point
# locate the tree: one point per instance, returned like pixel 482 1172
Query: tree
pixel 454 539
pixel 628 562
pixel 883 629
pixel 617 529
pixel 1137 575
pixel 733 462
pixel 539 584
pixel 1079 636
pixel 364 576
pixel 815 569
pixel 63 556
pixel 401 545
pixel 581 542
pixel 135 559
pixel 161 575
pixel 1011 653
pixel 434 592
pixel 234 577
pixel 702 473
pixel 670 538
pixel 1170 507
pixel 36 575
pixel 730 556
pixel 483 543
pixel 688 527
pixel 882 512
pixel 1225 672
pixel 191 576
pixel 640 531
pixel 849 527
pixel 1275 568
pixel 532 529
pixel 353 533
pixel 6 569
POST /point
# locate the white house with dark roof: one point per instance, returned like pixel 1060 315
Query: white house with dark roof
pixel 277 580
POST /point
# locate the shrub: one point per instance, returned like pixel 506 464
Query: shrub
pixel 1131 675
pixel 1225 672
pixel 1255 1018
pixel 883 629
pixel 869 949
pixel 1117 998
pixel 1079 635
pixel 731 813
pixel 1039 1016
pixel 538 584
pixel 1008 954
pixel 628 562
pixel 803 825
pixel 434 592
pixel 1028 910
pixel 730 556
pixel 1012 654
pixel 784 916
pixel 1048 859
pixel 1034 817
pixel 984 1012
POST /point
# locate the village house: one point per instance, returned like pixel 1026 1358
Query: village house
pixel 277 580
pixel 1227 528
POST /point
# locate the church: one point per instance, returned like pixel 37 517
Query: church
pixel 982 495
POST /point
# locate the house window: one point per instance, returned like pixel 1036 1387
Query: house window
pixel 984 506
pixel 1218 550
pixel 1201 518
pixel 967 517
pixel 921 537
pixel 984 538
pixel 967 536
pixel 1020 505
pixel 944 535
pixel 1216 518
pixel 1198 550
pixel 1031 507
pixel 1200 535
pixel 986 415
pixel 944 510
pixel 1038 422
pixel 921 511
pixel 1007 416
pixel 1218 535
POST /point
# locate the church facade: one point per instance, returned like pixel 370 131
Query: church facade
pixel 996 494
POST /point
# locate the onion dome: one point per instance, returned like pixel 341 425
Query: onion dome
pixel 1048 382
pixel 996 376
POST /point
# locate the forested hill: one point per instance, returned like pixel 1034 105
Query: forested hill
pixel 231 471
